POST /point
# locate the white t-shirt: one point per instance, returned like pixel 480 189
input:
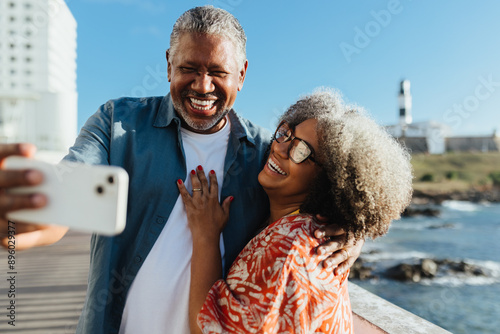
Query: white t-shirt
pixel 158 299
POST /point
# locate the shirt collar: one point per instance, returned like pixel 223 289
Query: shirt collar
pixel 166 114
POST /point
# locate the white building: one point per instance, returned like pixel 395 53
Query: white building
pixel 38 98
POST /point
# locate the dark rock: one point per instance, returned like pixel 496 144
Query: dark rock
pixel 412 211
pixel 435 227
pixel 361 271
pixel 429 268
pixel 404 272
pixel 467 268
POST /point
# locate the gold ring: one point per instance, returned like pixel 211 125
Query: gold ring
pixel 347 254
pixel 197 189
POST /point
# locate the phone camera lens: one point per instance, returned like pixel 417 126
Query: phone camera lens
pixel 100 189
pixel 111 179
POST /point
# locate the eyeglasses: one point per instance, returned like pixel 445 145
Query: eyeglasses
pixel 298 150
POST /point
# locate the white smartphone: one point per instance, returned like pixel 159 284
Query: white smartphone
pixel 88 198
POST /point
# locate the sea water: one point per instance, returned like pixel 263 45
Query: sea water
pixel 460 303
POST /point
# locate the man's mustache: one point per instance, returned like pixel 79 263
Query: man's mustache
pixel 202 96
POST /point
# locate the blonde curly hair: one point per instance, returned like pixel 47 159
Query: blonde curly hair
pixel 366 178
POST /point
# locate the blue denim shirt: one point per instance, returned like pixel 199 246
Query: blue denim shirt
pixel 143 136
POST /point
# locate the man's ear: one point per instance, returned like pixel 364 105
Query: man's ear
pixel 242 74
pixel 169 67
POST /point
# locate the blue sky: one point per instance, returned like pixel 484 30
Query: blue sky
pixel 450 51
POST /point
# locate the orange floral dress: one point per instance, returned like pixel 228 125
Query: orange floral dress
pixel 277 285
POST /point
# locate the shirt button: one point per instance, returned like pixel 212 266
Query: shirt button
pixel 138 259
pixel 160 220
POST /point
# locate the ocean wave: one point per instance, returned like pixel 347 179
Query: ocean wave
pixel 424 225
pixel 459 280
pixel 461 205
pixel 376 255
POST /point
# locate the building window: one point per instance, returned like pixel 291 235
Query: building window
pixel 13 71
pixel 12 46
pixel 27 5
pixel 28 72
pixel 13 59
pixel 28 46
pixel 28 19
pixel 12 19
pixel 12 5
pixel 28 59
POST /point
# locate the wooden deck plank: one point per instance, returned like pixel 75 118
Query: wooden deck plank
pixel 50 287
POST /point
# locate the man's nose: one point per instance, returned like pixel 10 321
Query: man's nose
pixel 203 84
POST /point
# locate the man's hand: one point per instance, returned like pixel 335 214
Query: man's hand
pixel 27 235
pixel 343 253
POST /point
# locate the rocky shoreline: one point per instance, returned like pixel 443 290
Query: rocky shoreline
pixel 427 203
pixel 421 197
pixel 416 271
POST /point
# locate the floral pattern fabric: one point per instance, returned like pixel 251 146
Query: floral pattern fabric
pixel 277 285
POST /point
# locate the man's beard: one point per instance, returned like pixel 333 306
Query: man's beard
pixel 200 125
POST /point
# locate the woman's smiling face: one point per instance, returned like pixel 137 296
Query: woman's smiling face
pixel 285 180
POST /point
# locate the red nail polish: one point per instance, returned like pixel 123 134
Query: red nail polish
pixel 231 199
pixel 193 172
pixel 179 181
pixel 212 172
pixel 200 168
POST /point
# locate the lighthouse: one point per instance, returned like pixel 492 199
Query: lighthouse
pixel 404 104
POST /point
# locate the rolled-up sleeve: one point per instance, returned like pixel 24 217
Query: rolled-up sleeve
pixel 93 142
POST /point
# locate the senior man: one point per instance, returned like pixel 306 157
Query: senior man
pixel 139 280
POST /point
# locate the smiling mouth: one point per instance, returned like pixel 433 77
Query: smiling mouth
pixel 274 167
pixel 202 105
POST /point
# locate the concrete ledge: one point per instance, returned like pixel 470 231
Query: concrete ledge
pixel 372 314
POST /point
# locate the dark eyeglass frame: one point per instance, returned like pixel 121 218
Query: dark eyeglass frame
pixel 291 138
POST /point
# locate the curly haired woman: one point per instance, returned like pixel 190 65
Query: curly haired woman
pixel 327 158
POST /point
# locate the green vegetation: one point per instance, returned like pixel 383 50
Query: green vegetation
pixel 456 171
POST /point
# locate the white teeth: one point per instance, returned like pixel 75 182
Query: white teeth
pixel 275 167
pixel 202 104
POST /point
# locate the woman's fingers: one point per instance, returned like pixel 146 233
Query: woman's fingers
pixel 226 204
pixel 186 198
pixel 195 182
pixel 202 179
pixel 214 186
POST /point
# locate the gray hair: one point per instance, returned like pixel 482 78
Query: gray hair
pixel 366 178
pixel 212 21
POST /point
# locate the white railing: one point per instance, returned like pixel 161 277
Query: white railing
pixel 375 315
